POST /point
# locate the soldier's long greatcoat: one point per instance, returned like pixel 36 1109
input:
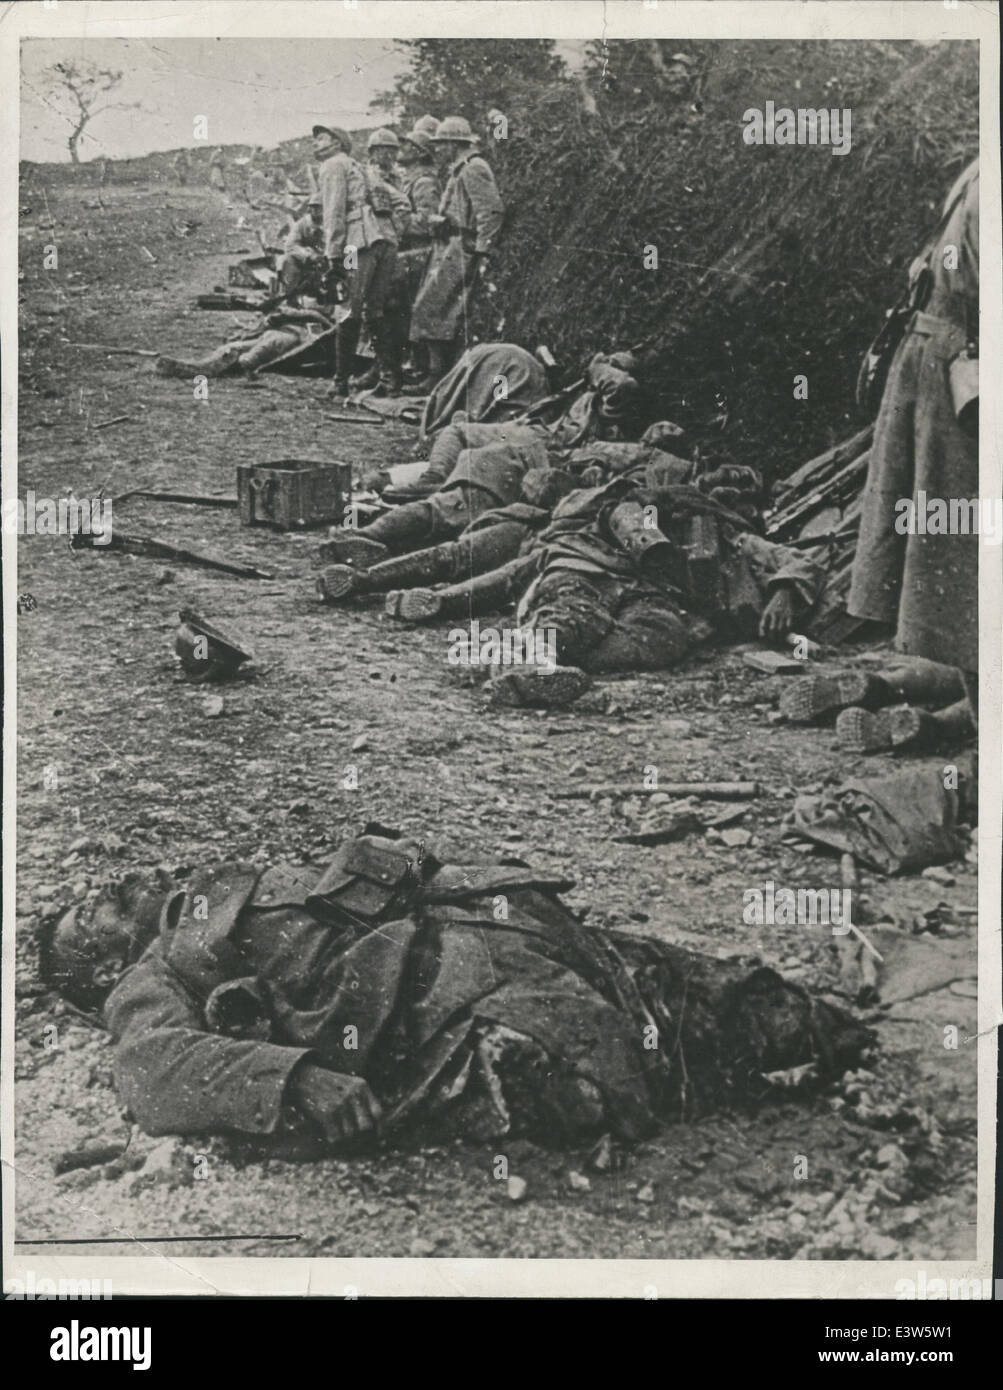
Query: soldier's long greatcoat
pixel 472 202
pixel 926 586
pixel 405 971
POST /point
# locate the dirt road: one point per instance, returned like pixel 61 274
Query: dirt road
pixel 122 764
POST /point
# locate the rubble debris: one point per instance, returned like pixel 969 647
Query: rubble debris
pixel 774 663
pixel 88 1155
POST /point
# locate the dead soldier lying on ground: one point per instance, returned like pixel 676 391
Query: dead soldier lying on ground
pixel 628 575
pixel 392 996
pixel 266 341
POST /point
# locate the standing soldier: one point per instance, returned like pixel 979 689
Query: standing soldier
pixel 469 218
pixel 180 165
pixel 423 191
pixel 926 585
pixel 382 314
pixel 217 178
pixel 358 245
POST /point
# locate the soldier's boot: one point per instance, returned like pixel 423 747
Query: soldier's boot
pixel 346 340
pixel 418 368
pixel 649 547
pixel 365 381
pixel 339 582
pixel 533 687
pixel 401 530
pixel 428 566
pixel 483 593
pixel 904 728
pixel 437 368
pixel 390 380
pixel 214 365
pixel 815 698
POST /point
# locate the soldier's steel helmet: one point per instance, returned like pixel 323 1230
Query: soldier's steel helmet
pixel 420 139
pixel 455 128
pixel 383 138
pixel 205 652
pixel 428 125
pixel 341 136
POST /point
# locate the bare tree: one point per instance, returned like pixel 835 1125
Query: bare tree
pixel 86 84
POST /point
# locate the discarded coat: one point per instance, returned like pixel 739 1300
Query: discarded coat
pixel 926 585
pixel 472 386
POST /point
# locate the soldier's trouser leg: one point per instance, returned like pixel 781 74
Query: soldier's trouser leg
pixel 388 359
pixel 358 282
pixel 377 289
pixel 441 517
pixel 573 608
pixel 218 362
pixel 402 529
pixel 471 434
pixel 268 348
pixel 484 593
pixel 346 340
pixel 602 624
pixel 649 634
pixel 484 568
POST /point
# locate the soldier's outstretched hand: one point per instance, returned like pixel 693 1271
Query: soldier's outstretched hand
pixel 342 1107
pixel 778 615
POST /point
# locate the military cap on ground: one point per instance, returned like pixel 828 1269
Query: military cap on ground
pixel 205 652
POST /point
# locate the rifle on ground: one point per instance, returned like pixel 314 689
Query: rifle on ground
pixel 160 550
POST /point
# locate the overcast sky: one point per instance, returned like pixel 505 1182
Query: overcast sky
pixel 253 91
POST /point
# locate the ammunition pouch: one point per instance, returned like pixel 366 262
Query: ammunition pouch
pixel 370 880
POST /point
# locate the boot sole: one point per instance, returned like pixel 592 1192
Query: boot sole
pixel 413 605
pixel 813 699
pixel 864 731
pixel 358 551
pixel 534 689
pixel 337 582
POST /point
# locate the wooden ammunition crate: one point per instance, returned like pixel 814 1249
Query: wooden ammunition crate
pixel 293 494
